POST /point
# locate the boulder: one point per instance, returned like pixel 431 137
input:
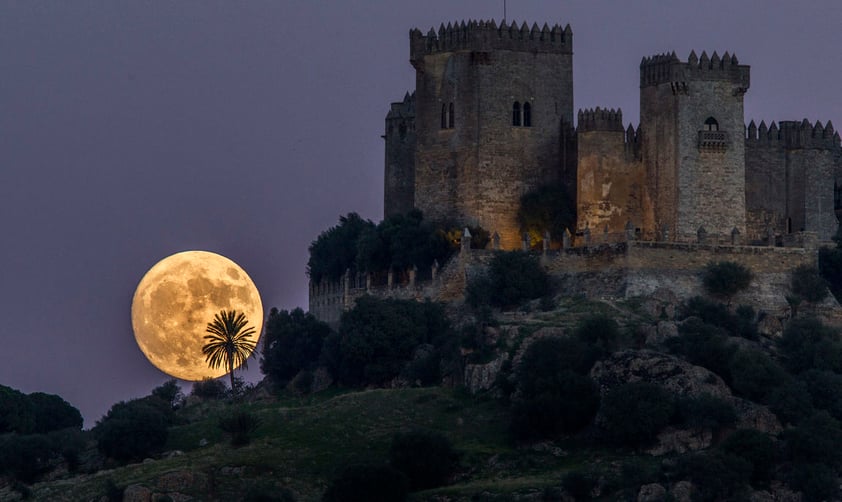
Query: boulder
pixel 175 481
pixel 137 493
pixel 651 493
pixel 480 377
pixel 670 372
pixel 682 491
pixel 672 440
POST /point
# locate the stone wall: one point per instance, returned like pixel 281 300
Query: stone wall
pixel 610 175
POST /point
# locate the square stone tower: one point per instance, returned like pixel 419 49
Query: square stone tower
pixel 693 144
pixel 491 105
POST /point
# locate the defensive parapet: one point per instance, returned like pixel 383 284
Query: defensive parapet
pixel 600 119
pixel 667 68
pixel 485 36
pixel 794 134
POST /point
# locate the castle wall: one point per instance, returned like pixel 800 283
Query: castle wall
pixel 610 176
pixel 790 173
pixel 476 171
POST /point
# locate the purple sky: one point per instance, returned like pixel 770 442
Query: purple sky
pixel 133 130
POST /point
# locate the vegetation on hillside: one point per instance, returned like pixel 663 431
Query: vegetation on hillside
pixel 398 243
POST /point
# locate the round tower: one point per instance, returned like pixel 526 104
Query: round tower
pixel 491 105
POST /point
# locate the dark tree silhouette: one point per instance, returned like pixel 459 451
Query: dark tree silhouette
pixel 228 342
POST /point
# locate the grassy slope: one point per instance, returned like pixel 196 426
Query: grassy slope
pixel 302 443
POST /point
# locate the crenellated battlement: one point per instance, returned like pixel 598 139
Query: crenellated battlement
pixel 402 109
pixel 791 134
pixel 668 68
pixel 600 119
pixel 487 36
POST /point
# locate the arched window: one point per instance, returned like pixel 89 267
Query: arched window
pixel 450 116
pixel 516 114
pixel 527 114
pixel 711 124
pixel 444 116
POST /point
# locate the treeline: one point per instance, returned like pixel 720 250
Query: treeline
pixel 397 243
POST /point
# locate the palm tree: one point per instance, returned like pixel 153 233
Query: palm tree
pixel 228 342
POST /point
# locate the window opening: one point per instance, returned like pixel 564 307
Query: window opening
pixel 516 114
pixel 711 124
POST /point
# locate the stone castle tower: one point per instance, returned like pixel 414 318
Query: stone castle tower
pixel 490 108
pixel 492 118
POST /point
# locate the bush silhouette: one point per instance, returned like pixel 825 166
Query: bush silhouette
pixel 724 279
pixel 239 426
pixel 368 483
pixel 426 458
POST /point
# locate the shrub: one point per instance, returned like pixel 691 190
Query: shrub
pixel 634 413
pixel 808 344
pixel 579 484
pixel 335 249
pixel 706 411
pixel 513 277
pixel 725 279
pixel 815 440
pixel 292 342
pixel 755 375
pixel 791 402
pixel 546 208
pixel 368 483
pixel 132 431
pixel 564 405
pixel 170 393
pixel 830 268
pixel 26 456
pixel 554 393
pixel 599 331
pixel 377 338
pixel 825 389
pixel 52 413
pixel 240 426
pixel 703 345
pixel 757 449
pixel 807 284
pixel 267 492
pixel 817 482
pixel 209 388
pixel 716 476
pixel 427 458
pixel 16 413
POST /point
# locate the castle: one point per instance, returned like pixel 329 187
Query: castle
pixel 491 118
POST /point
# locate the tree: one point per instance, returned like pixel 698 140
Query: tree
pixel 132 430
pixel 335 250
pixel 426 457
pixel 806 284
pixel 228 342
pixel 512 277
pixel 724 279
pixel 634 413
pixel 53 413
pixel 292 342
pixel 377 338
pixel 546 208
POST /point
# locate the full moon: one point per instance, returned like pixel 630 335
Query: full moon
pixel 176 300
